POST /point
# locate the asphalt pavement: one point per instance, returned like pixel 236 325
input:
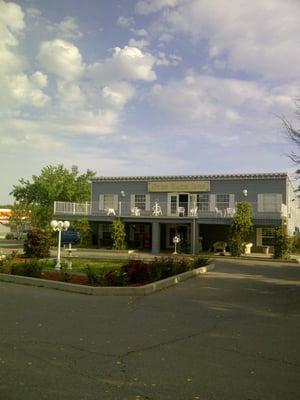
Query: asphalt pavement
pixel 230 334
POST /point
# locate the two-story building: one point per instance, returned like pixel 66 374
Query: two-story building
pixel 198 208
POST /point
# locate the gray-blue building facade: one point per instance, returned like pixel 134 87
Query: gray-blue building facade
pixel 198 209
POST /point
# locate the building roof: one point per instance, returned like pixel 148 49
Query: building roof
pixel 272 175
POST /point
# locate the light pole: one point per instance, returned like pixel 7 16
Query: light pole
pixel 122 193
pixel 176 240
pixel 59 226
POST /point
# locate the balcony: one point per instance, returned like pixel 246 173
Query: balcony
pixel 162 210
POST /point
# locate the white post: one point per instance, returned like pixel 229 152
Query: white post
pixel 194 230
pixel 58 266
pixel 120 208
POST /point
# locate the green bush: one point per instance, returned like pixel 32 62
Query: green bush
pixel 116 278
pixel 137 271
pixel 240 229
pixel 27 268
pixel 118 235
pixel 9 236
pixel 37 244
pixel 91 274
pixel 200 262
pixel 283 244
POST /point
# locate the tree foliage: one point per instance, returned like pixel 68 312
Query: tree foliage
pixel 37 244
pixel 55 183
pixel 118 235
pixel 294 135
pixel 282 243
pixel 240 228
pixel 85 232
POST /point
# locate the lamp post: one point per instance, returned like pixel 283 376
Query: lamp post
pixel 59 226
pixel 176 240
pixel 122 193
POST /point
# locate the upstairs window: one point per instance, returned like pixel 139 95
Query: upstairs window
pixel 108 201
pixel 269 202
pixel 203 201
pixel 222 201
pixel 140 201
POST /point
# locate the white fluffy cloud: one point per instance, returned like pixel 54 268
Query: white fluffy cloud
pixel 151 6
pixel 128 63
pixel 249 36
pixel 17 89
pixel 61 58
pixel 216 105
pixel 68 28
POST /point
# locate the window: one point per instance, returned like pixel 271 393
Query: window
pixel 140 201
pixel 203 201
pixel 108 201
pixel 222 201
pixel 269 202
pixel 267 236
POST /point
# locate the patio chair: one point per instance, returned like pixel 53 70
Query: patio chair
pixel 136 211
pixel 219 213
pixel 110 211
pixel 181 211
pixel 194 211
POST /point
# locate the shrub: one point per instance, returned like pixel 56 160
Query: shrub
pixel 37 244
pixel 116 278
pixel 27 268
pixel 118 235
pixel 200 262
pixel 85 232
pixel 137 271
pixel 282 244
pixel 9 236
pixel 240 229
pixel 91 275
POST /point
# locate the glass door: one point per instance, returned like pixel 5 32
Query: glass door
pixel 173 204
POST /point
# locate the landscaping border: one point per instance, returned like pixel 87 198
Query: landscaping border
pixel 105 290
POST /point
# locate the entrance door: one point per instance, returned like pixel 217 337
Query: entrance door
pixel 173 201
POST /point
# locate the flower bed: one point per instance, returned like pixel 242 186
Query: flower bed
pixel 131 273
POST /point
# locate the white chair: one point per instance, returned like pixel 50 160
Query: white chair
pixel 194 211
pixel 219 213
pixel 110 211
pixel 230 212
pixel 136 211
pixel 181 211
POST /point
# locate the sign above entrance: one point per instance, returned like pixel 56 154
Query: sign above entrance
pixel 179 186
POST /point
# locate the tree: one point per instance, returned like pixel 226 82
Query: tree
pixel 282 243
pixel 55 183
pixel 85 232
pixel 240 229
pixel 20 217
pixel 118 235
pixel 293 134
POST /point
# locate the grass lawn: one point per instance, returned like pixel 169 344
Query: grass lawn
pixel 79 263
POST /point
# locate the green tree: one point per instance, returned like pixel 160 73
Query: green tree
pixel 282 243
pixel 84 228
pixel 55 183
pixel 20 217
pixel 118 235
pixel 240 229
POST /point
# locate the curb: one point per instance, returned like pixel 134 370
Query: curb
pixel 107 291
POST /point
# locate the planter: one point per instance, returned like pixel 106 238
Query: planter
pixel 265 249
pixel 107 291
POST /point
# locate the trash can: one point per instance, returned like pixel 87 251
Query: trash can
pixel 265 249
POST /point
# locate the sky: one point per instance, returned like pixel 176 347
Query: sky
pixel 147 87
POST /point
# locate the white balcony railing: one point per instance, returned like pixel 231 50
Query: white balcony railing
pixel 161 209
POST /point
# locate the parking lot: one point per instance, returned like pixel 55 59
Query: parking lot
pixel 230 334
